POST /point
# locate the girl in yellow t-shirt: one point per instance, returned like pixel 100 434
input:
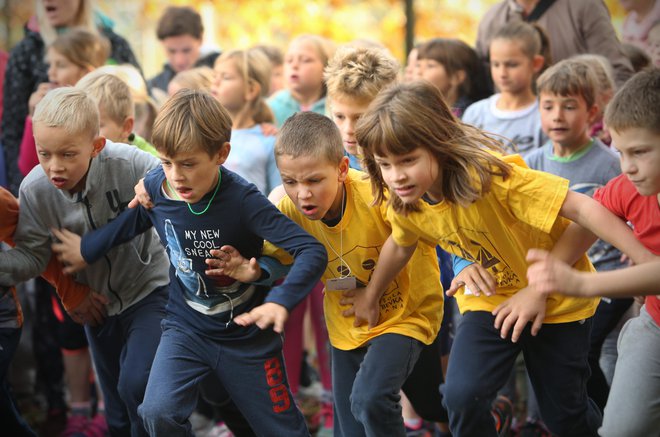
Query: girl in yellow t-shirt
pixel 447 188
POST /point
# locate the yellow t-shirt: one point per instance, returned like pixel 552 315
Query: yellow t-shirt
pixel 497 230
pixel 413 303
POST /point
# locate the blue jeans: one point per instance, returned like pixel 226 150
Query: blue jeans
pixel 366 382
pixel 11 420
pixel 556 360
pixel 250 369
pixel 123 349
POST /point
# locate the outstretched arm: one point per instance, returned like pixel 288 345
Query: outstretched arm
pixel 548 275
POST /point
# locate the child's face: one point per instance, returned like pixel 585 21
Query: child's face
pixel 61 13
pixel 61 71
pixel 653 41
pixel 303 68
pixel 411 175
pixel 566 119
pixel 64 157
pixel 182 51
pixel 315 185
pixel 229 86
pixel 639 151
pixel 345 113
pixel 435 72
pixel 512 70
pixel 192 174
pixel 112 129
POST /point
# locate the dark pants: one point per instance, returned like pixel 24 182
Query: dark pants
pixel 556 359
pixel 223 406
pixel 366 384
pixel 251 370
pixel 123 349
pixel 422 384
pixel 11 420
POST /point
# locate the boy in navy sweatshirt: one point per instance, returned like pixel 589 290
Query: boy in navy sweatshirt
pixel 213 324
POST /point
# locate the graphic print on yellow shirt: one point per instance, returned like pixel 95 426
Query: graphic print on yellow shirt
pixel 517 214
pixel 412 304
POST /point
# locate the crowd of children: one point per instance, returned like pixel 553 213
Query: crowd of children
pixel 194 225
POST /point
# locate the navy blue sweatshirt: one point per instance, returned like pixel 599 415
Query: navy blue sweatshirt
pixel 239 216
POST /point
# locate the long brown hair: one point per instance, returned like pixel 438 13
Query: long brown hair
pixel 407 116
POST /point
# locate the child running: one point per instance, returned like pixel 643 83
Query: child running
pixel 213 325
pixel 447 189
pixel 333 203
pixel 633 117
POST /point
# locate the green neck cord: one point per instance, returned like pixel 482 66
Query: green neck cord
pixel 210 200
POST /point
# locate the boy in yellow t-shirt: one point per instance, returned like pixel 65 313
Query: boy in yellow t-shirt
pixel 333 203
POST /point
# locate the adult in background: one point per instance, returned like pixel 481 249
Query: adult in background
pixel 26 67
pixel 180 31
pixel 574 27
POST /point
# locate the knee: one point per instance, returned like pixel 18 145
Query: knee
pixel 131 389
pixel 462 397
pixel 369 405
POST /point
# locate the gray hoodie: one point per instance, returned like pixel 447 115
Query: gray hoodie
pixel 128 272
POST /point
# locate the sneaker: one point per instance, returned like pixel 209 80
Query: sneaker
pixel 326 425
pixel 97 427
pixel 502 411
pixel 421 430
pixel 75 426
pixel 534 428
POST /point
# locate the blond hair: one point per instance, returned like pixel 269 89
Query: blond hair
pixel 570 77
pixel 309 134
pixel 198 78
pixel 637 103
pixel 360 73
pixel 404 117
pixel 110 92
pixel 68 108
pixel 191 120
pixel 84 19
pixel 253 65
pixel 83 48
pixel 145 109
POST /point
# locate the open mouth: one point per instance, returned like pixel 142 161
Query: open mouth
pixel 58 182
pixel 309 209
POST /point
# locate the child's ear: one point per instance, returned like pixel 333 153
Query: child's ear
pixel 252 91
pixel 98 143
pixel 127 126
pixel 593 113
pixel 457 78
pixel 223 153
pixel 537 63
pixel 343 168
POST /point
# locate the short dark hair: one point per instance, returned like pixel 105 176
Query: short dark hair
pixel 637 103
pixel 310 134
pixel 180 20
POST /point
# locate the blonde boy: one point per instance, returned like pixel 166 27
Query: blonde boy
pixel 81 184
pixel 116 108
pixel 214 325
pixel 353 78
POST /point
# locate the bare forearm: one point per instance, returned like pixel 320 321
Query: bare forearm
pixel 643 279
pixel 391 260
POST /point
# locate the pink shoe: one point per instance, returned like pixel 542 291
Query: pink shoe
pixel 97 427
pixel 75 426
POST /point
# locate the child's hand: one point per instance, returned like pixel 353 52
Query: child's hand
pixel 476 279
pixel 268 129
pixel 229 262
pixel 550 275
pixel 38 95
pixel 91 310
pixel 363 306
pixel 141 196
pixel 68 250
pixel 515 312
pixel 264 316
